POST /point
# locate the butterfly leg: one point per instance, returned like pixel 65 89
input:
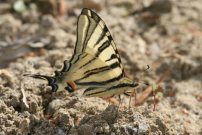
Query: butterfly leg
pixel 130 95
pixel 110 100
pixel 120 101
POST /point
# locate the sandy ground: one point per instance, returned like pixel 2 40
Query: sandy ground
pixel 165 36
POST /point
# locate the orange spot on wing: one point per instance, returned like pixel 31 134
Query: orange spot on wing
pixel 72 84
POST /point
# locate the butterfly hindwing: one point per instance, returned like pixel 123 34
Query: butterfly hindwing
pixel 124 85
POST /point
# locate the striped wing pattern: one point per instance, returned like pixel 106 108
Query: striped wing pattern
pixel 95 64
pixel 95 40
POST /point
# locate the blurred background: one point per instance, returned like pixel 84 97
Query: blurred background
pixel 36 36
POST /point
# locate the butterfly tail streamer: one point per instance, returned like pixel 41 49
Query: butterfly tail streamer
pixel 51 80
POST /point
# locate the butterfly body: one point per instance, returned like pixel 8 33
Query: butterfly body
pixel 95 65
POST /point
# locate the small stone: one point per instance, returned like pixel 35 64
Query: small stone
pixel 110 114
pixel 24 126
pixel 85 129
pixel 92 4
pixel 48 21
pixel 143 128
pixel 55 105
pixel 63 117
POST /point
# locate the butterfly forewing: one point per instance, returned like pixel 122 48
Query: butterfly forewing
pixel 104 64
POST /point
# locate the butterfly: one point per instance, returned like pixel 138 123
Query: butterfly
pixel 95 64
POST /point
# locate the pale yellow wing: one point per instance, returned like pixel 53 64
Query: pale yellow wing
pixel 95 54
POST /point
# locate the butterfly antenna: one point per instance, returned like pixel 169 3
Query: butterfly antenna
pixel 141 82
pixel 129 102
pixel 154 100
pixel 120 101
pixel 154 96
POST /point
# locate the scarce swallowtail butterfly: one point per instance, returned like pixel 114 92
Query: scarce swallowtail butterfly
pixel 95 65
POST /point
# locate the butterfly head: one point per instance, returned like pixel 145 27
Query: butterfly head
pixel 130 82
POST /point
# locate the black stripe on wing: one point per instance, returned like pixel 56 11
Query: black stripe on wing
pixel 82 32
pixel 92 17
pixel 113 56
pixel 95 71
pixel 99 51
pixel 102 35
pixel 94 83
pixel 105 33
pixel 89 91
